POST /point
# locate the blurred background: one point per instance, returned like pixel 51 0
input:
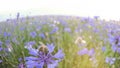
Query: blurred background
pixel 106 9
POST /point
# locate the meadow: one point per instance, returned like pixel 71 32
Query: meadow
pixel 59 42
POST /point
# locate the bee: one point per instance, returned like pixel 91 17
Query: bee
pixel 43 48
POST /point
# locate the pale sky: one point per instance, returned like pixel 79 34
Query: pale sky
pixel 107 9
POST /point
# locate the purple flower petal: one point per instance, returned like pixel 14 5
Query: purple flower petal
pixel 91 52
pixel 50 47
pixel 39 65
pixel 31 58
pixel 59 54
pixel 83 52
pixel 33 52
pixel 52 65
pixel 114 48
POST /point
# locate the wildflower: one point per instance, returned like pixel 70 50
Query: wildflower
pixel 0 43
pixel 86 51
pixel 18 15
pixel 43 23
pixel 115 42
pixel 91 52
pixel 21 65
pixel 1 61
pixel 114 48
pixel 62 22
pixel 96 17
pixel 83 51
pixel 1 48
pixel 110 60
pixel 30 43
pixel 15 40
pixel 55 29
pixel 38 28
pixel 33 34
pixel 67 29
pixel 111 39
pixel 43 57
pixel 95 30
pixel 103 48
pixel 22 28
pixel 6 34
pixel 7 42
pixel 42 35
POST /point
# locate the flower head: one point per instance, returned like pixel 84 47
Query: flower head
pixel 1 43
pixel 42 35
pixel 91 52
pixel 103 48
pixel 55 29
pixel 110 60
pixel 18 15
pixel 7 34
pixel 21 65
pixel 115 42
pixel 67 29
pixel 43 57
pixel 86 51
pixel 33 34
pixel 83 51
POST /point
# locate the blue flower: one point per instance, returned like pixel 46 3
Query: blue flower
pixel 18 15
pixel 64 23
pixel 33 34
pixel 22 28
pixel 96 17
pixel 43 57
pixel 1 46
pixel 7 42
pixel 21 65
pixel 42 35
pixel 110 60
pixel 114 48
pixel 67 29
pixel 111 39
pixel 50 48
pixel 7 34
pixel 1 43
pixel 91 52
pixel 115 42
pixel 1 61
pixel 14 40
pixel 103 48
pixel 86 51
pixel 55 29
pixel 38 28
pixel 83 51
pixel 30 43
